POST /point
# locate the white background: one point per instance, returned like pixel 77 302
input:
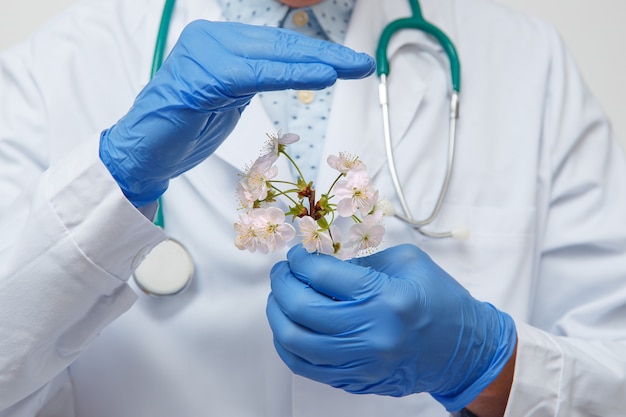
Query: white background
pixel 593 29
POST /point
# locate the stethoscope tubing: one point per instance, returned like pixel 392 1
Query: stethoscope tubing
pixel 168 268
pixel 157 61
pixel 407 216
pixel 417 22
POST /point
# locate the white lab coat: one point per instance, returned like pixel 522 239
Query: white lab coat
pixel 539 180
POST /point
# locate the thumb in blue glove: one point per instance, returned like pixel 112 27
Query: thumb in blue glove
pixel 196 98
pixel 393 323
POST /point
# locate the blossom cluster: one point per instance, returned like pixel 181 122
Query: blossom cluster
pixel 265 227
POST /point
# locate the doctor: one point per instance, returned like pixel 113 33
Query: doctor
pixel 533 301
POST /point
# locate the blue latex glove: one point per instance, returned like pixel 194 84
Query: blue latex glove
pixel 393 323
pixel 196 98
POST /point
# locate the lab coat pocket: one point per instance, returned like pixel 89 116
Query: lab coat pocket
pixel 496 262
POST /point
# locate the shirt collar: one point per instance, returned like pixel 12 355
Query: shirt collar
pixel 332 15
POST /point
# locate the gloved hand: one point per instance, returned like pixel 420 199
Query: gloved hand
pixel 196 98
pixel 393 323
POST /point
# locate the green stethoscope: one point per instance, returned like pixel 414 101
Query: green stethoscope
pixel 168 269
pixel 417 22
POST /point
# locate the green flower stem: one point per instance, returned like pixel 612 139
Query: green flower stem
pixel 282 182
pixel 334 183
pixel 293 163
pixel 284 193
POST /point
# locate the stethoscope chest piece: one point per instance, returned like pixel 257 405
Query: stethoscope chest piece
pixel 166 270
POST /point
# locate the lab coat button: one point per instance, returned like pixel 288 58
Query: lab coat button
pixel 306 96
pixel 301 18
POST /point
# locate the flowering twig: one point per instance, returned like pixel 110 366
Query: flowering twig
pixel 264 227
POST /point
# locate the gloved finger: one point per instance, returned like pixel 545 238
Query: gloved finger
pixel 350 377
pixel 309 308
pixel 319 349
pixel 402 261
pixel 335 278
pixel 259 75
pixel 292 47
pixel 282 45
pixel 223 88
pixel 302 367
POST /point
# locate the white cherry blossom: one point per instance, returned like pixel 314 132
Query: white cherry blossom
pixel 313 239
pixel 263 229
pixel 273 230
pixel 345 162
pixel 351 199
pixel 253 185
pixel 247 233
pixel 355 193
pixel 365 238
pixel 382 209
pixel 275 143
